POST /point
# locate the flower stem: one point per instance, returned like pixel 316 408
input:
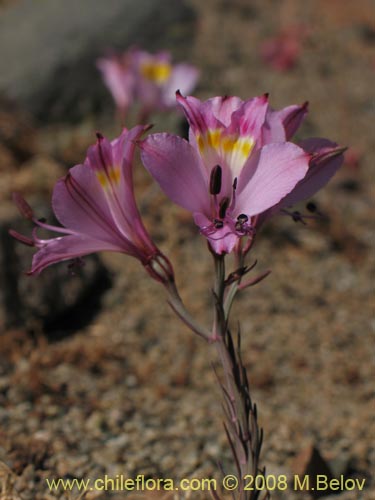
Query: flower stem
pixel 241 424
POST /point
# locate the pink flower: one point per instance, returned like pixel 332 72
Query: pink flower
pixel 282 51
pixel 150 79
pixel 237 165
pixel 158 80
pixel 96 206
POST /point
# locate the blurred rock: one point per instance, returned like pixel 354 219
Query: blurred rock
pixel 48 49
pixel 60 300
pixel 310 463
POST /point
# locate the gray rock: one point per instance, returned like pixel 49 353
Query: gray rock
pixel 48 48
pixel 58 300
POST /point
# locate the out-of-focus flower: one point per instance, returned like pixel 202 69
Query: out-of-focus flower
pixel 353 158
pixel 96 206
pixel 238 164
pixel 149 79
pixel 282 51
pixel 158 80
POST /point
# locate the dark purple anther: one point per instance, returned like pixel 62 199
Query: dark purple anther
pixel 242 218
pixel 215 180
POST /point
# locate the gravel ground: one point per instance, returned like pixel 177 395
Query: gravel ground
pixel 132 392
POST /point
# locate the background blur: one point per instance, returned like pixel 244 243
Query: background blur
pixel 96 374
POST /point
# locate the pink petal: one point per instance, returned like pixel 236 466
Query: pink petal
pixel 273 129
pixel 249 118
pixel 326 160
pixel 79 203
pixel 178 169
pixel 223 240
pixel 199 114
pixel 119 80
pixel 66 248
pixel 291 118
pixel 270 174
pixel 124 146
pixel 223 107
pixel 183 78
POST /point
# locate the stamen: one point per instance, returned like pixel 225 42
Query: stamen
pixel 297 217
pixel 223 207
pixel 23 206
pixel 234 187
pixel 20 237
pixel 101 155
pixel 218 223
pixel 311 207
pixel 215 180
pixel 242 218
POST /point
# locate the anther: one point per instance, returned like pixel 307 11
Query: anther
pixel 235 184
pixel 311 207
pixel 215 180
pixel 242 218
pixel 224 204
pixel 23 206
pixel 99 136
pixel 218 223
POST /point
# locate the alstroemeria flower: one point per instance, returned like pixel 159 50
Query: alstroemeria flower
pixel 149 79
pixel 159 79
pixel 238 167
pixel 282 51
pixel 95 204
pixel 232 168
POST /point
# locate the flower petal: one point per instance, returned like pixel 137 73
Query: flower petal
pixel 291 117
pixel 183 78
pixel 79 203
pixel 222 240
pixel 223 107
pixel 119 80
pixel 199 114
pixel 270 174
pixel 326 160
pixel 66 248
pixel 249 118
pixel 178 169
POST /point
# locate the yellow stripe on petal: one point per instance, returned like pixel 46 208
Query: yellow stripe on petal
pixel 233 149
pixel 102 178
pixel 246 147
pixel 200 142
pixel 111 176
pixel 115 175
pixel 211 139
pixel 225 144
pixel 229 144
pixel 157 72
